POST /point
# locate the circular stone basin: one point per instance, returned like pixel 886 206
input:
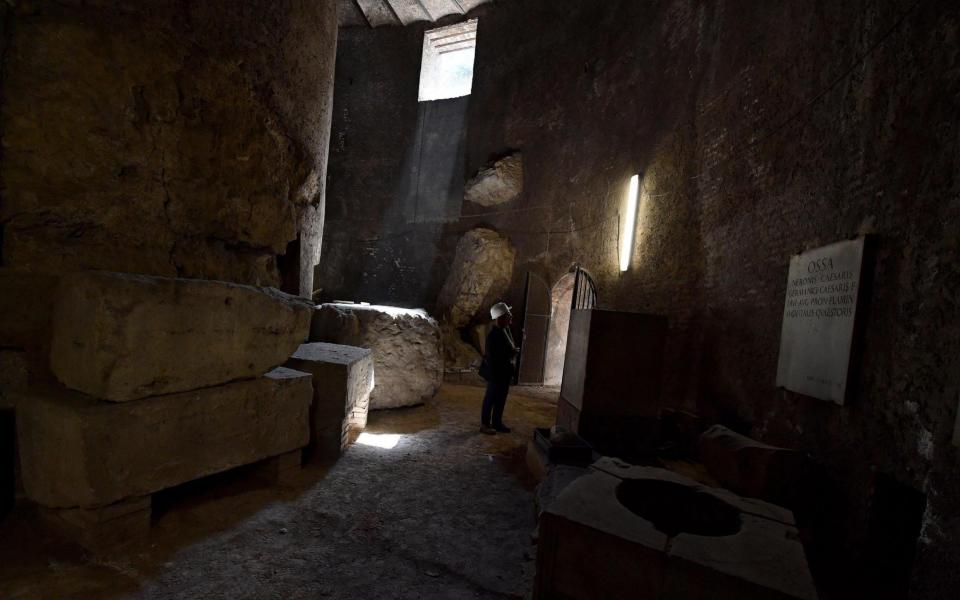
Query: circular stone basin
pixel 674 508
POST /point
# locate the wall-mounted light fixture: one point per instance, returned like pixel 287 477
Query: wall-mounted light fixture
pixel 629 224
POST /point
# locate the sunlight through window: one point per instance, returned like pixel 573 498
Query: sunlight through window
pixel 447 67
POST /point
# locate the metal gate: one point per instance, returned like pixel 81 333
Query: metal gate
pixel 584 292
pixel 534 329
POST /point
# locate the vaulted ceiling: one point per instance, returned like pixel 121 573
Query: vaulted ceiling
pixel 377 13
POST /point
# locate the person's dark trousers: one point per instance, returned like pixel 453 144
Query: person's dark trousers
pixel 493 402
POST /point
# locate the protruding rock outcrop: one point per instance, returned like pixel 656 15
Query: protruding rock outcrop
pixel 479 276
pixel 497 184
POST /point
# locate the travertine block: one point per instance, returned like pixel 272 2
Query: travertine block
pixel 120 336
pixel 405 343
pixel 77 451
pixel 640 532
pixel 343 378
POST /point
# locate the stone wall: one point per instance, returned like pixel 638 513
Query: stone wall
pixel 167 138
pixel 762 129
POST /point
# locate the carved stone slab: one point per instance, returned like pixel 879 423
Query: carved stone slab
pixel 818 320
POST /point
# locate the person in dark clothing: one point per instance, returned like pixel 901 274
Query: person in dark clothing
pixel 499 362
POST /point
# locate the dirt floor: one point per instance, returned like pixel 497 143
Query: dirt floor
pixel 446 513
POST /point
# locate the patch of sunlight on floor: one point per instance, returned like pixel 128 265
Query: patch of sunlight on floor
pixel 386 441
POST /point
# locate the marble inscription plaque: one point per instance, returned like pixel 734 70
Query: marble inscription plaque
pixel 818 320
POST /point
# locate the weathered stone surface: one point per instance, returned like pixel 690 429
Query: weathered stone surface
pixel 749 467
pixel 636 532
pixel 26 304
pixel 405 342
pixel 121 336
pixel 77 451
pixel 497 184
pixel 479 276
pixel 343 378
pixel 104 528
pixel 14 375
pixel 478 335
pixel 457 354
pixel 134 142
pixel 212 259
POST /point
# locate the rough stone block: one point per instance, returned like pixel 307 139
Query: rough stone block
pixel 343 378
pixel 479 276
pixel 77 451
pixel 120 336
pixel 457 354
pixel 405 343
pixel 497 184
pixel 749 467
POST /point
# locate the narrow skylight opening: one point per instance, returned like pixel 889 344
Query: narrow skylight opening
pixel 446 70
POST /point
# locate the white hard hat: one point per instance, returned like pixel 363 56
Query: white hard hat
pixel 498 310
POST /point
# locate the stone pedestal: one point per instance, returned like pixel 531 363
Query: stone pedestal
pixel 343 378
pixel 405 344
pixel 77 451
pixel 641 532
pixel 121 337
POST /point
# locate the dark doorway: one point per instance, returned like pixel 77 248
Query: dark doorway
pixel 289 266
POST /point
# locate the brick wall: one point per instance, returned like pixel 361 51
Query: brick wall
pixel 763 129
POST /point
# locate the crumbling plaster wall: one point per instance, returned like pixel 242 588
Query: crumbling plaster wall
pixel 165 137
pixel 762 131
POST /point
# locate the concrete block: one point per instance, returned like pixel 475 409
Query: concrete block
pixel 77 451
pixel 405 343
pixel 121 337
pixel 343 378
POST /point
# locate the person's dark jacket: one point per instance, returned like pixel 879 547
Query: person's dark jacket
pixel 498 359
